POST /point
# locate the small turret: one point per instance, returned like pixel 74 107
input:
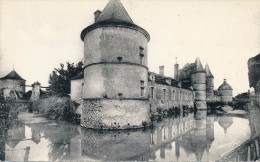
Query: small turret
pixel 226 92
pixel 209 83
pixel 198 79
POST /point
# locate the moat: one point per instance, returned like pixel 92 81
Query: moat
pixel 199 136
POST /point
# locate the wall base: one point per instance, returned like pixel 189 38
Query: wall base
pixel 115 114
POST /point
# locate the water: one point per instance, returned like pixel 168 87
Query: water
pixel 190 138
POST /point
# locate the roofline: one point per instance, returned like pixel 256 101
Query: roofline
pixel 76 78
pixel 11 79
pixel 114 24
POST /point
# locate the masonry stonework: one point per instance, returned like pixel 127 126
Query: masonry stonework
pixel 115 114
pixel 115 58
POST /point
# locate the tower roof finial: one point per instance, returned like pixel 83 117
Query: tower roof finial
pixel 114 11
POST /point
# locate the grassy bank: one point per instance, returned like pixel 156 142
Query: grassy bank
pixel 57 108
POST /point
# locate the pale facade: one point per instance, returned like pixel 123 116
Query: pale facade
pixel 12 85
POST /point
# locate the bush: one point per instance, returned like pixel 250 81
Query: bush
pixel 58 108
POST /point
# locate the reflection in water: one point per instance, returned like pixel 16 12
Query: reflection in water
pixel 194 137
pixel 125 145
pixel 225 122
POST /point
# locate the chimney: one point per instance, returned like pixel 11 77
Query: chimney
pixel 176 71
pixel 161 70
pixel 96 14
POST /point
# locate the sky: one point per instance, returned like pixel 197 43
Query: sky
pixel 37 35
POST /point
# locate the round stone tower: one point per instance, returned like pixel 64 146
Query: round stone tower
pixel 226 92
pixel 198 79
pixel 116 74
pixel 209 84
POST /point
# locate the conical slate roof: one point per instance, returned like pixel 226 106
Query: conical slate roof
pixel 13 75
pixel 115 12
pixel 208 72
pixel 198 67
pixel 225 86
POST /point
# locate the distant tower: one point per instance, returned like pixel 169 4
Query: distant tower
pixel 176 70
pixel 209 84
pixel 198 79
pixel 226 92
pixel 116 74
pixel 36 91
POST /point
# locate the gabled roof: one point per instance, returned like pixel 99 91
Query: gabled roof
pixel 13 75
pixel 208 72
pixel 115 12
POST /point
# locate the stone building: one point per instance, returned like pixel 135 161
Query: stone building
pixel 116 88
pixel 225 92
pixel 12 85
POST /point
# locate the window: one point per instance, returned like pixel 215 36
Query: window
pixel 173 94
pixel 164 94
pixel 152 92
pixel 141 51
pixel 142 91
pixel 142 83
pixel 141 55
pixel 119 59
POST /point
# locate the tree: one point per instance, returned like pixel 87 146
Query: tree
pixel 60 78
pixel 254 70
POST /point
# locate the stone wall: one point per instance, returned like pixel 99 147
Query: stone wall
pixel 226 95
pixel 17 85
pixel 115 114
pixel 174 97
pixel 115 81
pixel 198 79
pixel 210 88
pixel 76 91
pixel 106 44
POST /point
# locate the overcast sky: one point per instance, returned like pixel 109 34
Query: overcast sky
pixel 37 35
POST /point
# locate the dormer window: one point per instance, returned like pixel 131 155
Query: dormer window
pixel 168 81
pixel 152 77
